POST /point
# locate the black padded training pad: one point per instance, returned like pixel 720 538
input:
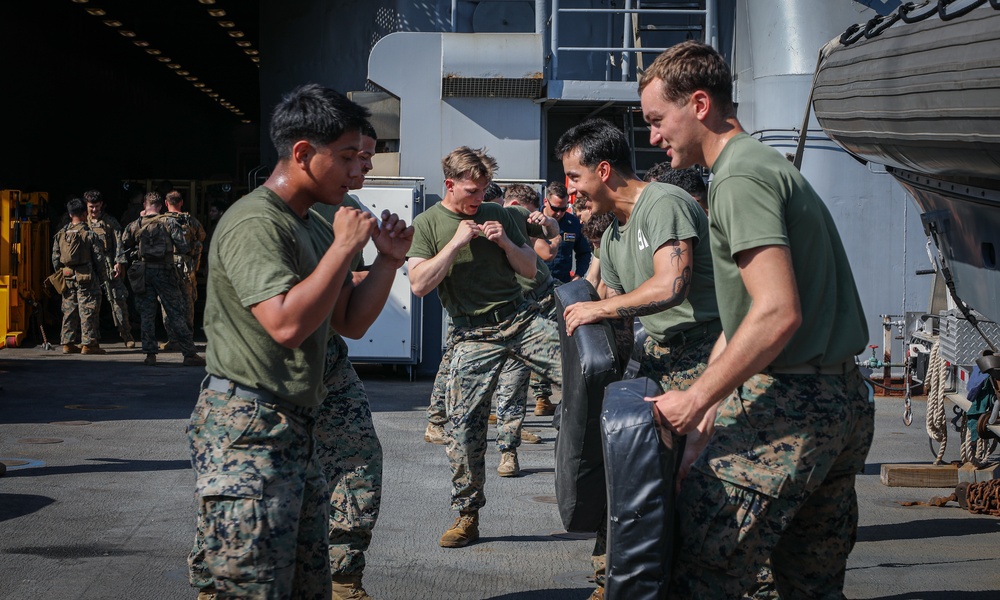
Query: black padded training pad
pixel 640 471
pixel 589 364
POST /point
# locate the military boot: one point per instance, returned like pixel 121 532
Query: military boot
pixel 348 587
pixel 508 464
pixel 150 359
pixel 71 349
pixel 92 349
pixel 544 408
pixel 530 438
pixel 597 594
pixel 463 532
pixel 194 361
pixel 434 434
pixel 207 593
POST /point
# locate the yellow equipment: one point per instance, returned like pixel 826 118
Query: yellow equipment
pixel 24 260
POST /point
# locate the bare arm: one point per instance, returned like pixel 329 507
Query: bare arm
pixel 521 258
pixel 668 287
pixel 774 317
pixel 594 273
pixel 291 317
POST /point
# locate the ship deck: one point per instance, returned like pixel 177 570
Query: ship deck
pixel 100 501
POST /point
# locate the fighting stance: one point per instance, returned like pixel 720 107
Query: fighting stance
pixel 278 280
pixel 472 252
pixel 768 471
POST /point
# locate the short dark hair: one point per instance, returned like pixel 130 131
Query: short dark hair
pixel 75 207
pixel 316 114
pixel 598 141
pixel 493 192
pixel 556 189
pixel 689 180
pixel 92 196
pixel 594 228
pixel 368 130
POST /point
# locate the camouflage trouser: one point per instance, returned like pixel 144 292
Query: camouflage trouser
pixel 511 394
pixel 262 498
pixel 479 355
pixel 119 307
pixel 776 481
pixel 81 306
pixel 162 284
pixel 189 293
pixel 351 455
pixel 675 367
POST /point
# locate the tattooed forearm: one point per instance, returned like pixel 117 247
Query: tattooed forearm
pixel 680 290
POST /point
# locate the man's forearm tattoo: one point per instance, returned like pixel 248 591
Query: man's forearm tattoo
pixel 677 255
pixel 680 290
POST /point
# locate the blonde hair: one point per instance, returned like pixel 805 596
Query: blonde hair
pixel 688 67
pixel 468 163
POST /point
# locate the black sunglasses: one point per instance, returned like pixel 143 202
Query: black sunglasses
pixel 558 208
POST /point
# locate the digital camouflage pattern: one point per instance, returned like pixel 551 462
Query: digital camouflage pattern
pixel 777 477
pixel 187 263
pixel 351 455
pixel 479 355
pixel 109 231
pixel 81 300
pixel 263 502
pixel 162 285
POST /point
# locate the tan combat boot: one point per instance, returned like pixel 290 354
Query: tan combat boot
pixel 529 438
pixel 207 593
pixel 493 419
pixel 435 434
pixel 463 532
pixel 194 361
pixel 544 408
pixel 71 349
pixel 348 587
pixel 597 594
pixel 92 349
pixel 508 464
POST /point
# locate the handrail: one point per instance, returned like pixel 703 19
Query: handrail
pixel 628 52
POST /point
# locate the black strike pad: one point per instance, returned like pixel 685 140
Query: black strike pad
pixel 641 473
pixel 589 364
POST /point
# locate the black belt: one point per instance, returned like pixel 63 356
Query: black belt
pixel 541 291
pixel 805 369
pixel 226 386
pixel 694 334
pixel 497 315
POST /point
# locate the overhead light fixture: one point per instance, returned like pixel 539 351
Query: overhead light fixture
pixel 173 66
pixel 191 78
pixel 236 33
pixel 97 12
pixel 207 1
pixel 112 23
pixel 251 51
pixel 246 120
pixel 217 12
pixel 140 43
pixel 199 85
pixel 256 59
pixel 213 95
pixel 127 33
pixel 80 1
pixel 207 90
pixel 227 24
pixel 244 44
pixel 153 51
pixel 164 59
pixel 184 73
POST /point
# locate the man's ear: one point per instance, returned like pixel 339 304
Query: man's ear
pixel 302 152
pixel 604 170
pixel 449 184
pixel 701 103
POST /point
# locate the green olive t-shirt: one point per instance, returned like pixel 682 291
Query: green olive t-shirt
pixel 260 249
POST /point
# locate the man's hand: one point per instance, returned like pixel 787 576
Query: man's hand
pixel 494 232
pixel 582 313
pixel 678 411
pixel 467 231
pixel 549 225
pixel 393 238
pixel 352 229
pixel 116 271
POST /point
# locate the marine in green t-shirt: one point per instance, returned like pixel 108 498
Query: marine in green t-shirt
pixel 655 258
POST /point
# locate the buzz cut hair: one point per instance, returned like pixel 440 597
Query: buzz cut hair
pixel 468 163
pixel 524 194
